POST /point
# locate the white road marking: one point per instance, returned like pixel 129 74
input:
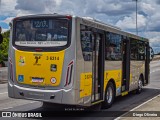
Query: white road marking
pixel 3 93
pixel 118 118
pixel 155 61
pixel 17 106
pixel 6 108
pixel 34 101
pixel 154 71
pixel 153 88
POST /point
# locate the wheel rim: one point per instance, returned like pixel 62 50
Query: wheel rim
pixel 140 85
pixel 109 94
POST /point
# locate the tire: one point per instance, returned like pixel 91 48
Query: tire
pixel 109 96
pixel 140 84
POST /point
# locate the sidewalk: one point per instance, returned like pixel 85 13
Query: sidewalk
pixel 3 74
pixel 148 110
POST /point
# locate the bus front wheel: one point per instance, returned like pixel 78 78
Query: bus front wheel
pixel 109 96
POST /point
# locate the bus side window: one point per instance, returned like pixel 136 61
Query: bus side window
pixel 86 42
pixel 141 50
pixel 133 48
pixel 113 46
pixel 137 50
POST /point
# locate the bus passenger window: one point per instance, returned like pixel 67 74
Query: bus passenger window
pixel 137 50
pixel 133 49
pixel 86 43
pixel 113 47
pixel 141 50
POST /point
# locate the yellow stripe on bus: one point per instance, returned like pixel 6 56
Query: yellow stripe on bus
pixel 86 81
pixel 124 93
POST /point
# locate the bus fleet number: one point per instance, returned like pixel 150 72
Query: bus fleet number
pixel 52 58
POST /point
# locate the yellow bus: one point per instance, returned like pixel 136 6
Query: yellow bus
pixel 72 60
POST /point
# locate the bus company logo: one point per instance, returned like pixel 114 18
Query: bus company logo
pixel 22 61
pixel 37 58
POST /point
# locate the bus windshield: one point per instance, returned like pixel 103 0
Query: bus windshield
pixel 41 32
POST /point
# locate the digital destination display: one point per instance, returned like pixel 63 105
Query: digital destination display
pixel 40 23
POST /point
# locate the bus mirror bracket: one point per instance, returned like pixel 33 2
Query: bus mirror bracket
pixel 10 25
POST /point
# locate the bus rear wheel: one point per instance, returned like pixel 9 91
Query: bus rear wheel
pixel 140 84
pixel 109 96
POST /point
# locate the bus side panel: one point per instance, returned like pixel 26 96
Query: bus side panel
pixel 137 68
pixel 10 67
pixel 84 73
pixel 79 66
pixel 69 93
pixel 133 71
pixel 113 70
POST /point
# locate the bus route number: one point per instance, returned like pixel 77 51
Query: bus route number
pixel 40 24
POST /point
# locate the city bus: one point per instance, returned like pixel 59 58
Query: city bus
pixel 71 60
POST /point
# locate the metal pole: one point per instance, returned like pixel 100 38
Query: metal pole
pixel 136 19
pixel 136 16
pixel 0 11
pixel 0 4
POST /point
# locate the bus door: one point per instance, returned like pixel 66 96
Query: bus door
pixel 125 65
pixel 98 66
pixel 148 58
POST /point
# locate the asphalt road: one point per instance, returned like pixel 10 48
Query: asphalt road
pixel 125 103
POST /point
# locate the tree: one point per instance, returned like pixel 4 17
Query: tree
pixel 4 47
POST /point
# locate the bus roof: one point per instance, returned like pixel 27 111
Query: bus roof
pixel 89 19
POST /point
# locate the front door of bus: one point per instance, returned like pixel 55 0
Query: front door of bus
pixel 126 65
pixel 98 67
pixel 149 56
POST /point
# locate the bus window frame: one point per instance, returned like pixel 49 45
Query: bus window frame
pixel 107 40
pixel 44 49
pixel 137 44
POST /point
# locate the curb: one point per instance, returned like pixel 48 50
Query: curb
pixel 3 75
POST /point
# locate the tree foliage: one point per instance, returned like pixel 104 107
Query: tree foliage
pixel 4 47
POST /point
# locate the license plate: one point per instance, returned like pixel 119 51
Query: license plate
pixel 37 80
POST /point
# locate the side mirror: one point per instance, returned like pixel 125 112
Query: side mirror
pixel 10 25
pixel 151 54
pixel 1 38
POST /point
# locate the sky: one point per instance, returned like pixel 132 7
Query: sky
pixel 120 13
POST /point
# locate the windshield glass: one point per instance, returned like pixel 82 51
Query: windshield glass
pixel 41 33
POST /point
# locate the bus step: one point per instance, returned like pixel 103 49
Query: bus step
pixel 123 88
pixel 124 93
